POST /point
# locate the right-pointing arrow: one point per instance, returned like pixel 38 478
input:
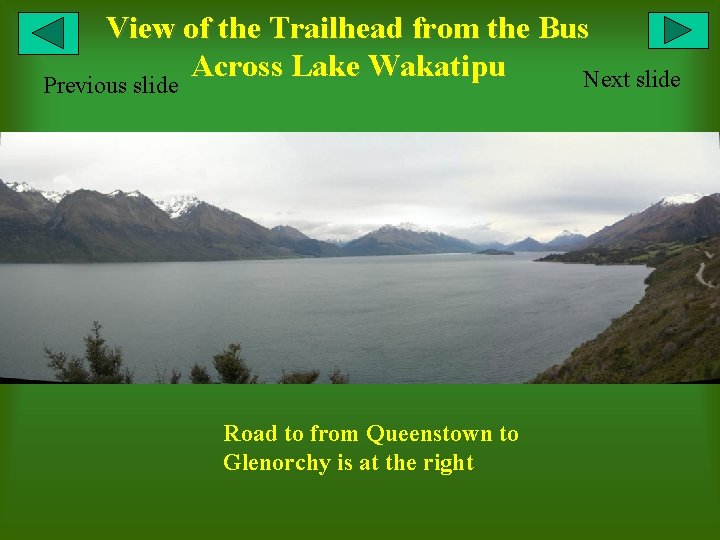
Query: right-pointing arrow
pixel 674 30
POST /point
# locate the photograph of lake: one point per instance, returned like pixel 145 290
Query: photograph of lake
pixel 447 318
pixel 359 257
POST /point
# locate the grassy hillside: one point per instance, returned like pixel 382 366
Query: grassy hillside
pixel 651 255
pixel 671 335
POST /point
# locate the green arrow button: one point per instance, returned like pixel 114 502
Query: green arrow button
pixel 52 33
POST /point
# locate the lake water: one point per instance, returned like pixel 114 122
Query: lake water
pixel 398 319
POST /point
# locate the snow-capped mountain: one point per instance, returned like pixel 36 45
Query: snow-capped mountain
pixel 88 226
pixel 679 218
pixel 24 187
pixel 117 192
pixel 403 227
pixel 679 200
pixel 568 235
pixel 566 239
pixel 413 227
pixel 178 206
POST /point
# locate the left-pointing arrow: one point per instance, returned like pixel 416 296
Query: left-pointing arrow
pixel 53 32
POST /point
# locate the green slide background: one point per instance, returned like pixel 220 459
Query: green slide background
pixel 146 461
pixel 543 89
pixel 591 461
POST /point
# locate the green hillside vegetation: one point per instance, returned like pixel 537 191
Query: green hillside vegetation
pixel 651 255
pixel 671 335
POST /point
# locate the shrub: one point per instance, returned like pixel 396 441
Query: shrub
pixel 338 377
pixel 231 366
pixel 162 378
pixel 199 375
pixel 299 377
pixel 69 371
pixel 104 363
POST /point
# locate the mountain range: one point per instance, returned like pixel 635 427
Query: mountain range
pixel 406 240
pixel 88 226
pixel 682 218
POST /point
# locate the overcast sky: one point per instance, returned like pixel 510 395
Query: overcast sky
pixel 480 186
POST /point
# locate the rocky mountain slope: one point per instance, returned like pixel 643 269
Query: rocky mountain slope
pixel 41 203
pixel 23 234
pixel 683 218
pixel 87 226
pixel 122 227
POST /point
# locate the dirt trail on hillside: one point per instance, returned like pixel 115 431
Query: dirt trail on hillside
pixel 700 271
